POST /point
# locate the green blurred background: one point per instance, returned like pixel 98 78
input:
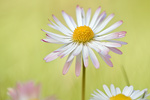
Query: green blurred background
pixel 22 52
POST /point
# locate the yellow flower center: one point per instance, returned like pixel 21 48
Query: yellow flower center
pixel 82 34
pixel 120 97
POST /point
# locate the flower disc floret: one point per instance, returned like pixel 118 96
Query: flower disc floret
pixel 120 97
pixel 83 34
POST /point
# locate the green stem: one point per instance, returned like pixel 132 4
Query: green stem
pixel 125 75
pixel 83 82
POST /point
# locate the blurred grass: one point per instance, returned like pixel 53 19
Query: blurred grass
pixel 22 52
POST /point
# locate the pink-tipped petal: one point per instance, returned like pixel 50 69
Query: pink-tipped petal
pixel 67 66
pixel 72 20
pixel 99 20
pixel 93 58
pixel 91 45
pixel 109 29
pixel 104 49
pixel 95 17
pixel 68 21
pixel 68 51
pixel 68 32
pixel 110 36
pixel 85 55
pixel 120 42
pixel 78 65
pixel 115 50
pixel 103 24
pixel 83 16
pixel 107 60
pixel 78 15
pixel 88 16
pixel 51 56
pixel 70 58
pixel 111 44
pixel 50 40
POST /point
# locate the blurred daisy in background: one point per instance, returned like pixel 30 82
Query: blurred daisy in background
pixel 128 93
pixel 26 91
pixel 81 38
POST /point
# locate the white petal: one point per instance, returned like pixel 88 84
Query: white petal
pixel 91 45
pixel 107 90
pixel 78 65
pixel 98 96
pixel 78 49
pixel 54 35
pixel 134 92
pixel 85 55
pixel 83 16
pixel 124 90
pixel 51 56
pixel 78 15
pixel 93 58
pixel 88 16
pixel 120 42
pixel 75 52
pixel 130 90
pixel 107 60
pixel 110 44
pixel 65 47
pixel 99 20
pixel 109 29
pixel 95 17
pixel 61 25
pixel 115 50
pixel 118 91
pixel 104 50
pixel 68 21
pixel 68 51
pixel 113 90
pixel 61 29
pixel 110 36
pixel 103 24
pixel 50 40
pixel 105 97
pixel 73 22
pixel 70 58
pixel 67 66
pixel 135 96
pixel 52 26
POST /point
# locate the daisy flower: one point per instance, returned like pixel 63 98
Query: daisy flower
pixel 79 39
pixel 27 91
pixel 115 93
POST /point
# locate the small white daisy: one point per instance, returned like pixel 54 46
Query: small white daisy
pixel 84 36
pixel 115 93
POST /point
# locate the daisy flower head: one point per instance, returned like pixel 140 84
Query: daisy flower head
pixel 26 91
pixel 81 38
pixel 128 93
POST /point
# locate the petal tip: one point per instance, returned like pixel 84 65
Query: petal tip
pixel 77 5
pixel 62 11
pixel 77 74
pixel 121 21
pixel 42 40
